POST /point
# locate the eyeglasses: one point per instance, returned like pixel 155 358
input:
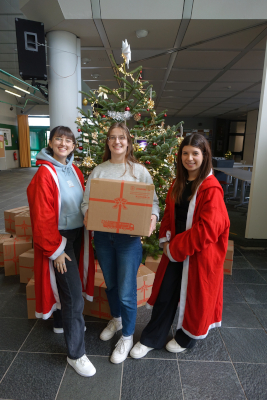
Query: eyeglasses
pixel 114 138
pixel 61 140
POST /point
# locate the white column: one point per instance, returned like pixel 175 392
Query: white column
pixel 257 216
pixel 63 60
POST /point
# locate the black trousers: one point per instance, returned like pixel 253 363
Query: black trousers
pixel 70 293
pixel 156 332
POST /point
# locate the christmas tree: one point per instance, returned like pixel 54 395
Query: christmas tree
pixel 155 146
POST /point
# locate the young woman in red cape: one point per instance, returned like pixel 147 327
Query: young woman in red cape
pixel 194 235
pixel 63 253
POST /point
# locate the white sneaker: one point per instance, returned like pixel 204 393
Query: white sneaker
pixel 112 327
pixel 61 330
pixel 173 347
pixel 140 350
pixel 122 350
pixel 82 366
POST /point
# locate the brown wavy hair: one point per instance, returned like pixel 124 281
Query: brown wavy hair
pixel 194 140
pixel 61 131
pixel 129 157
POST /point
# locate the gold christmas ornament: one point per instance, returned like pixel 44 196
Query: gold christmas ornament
pixel 170 159
pixel 78 120
pixel 137 117
pixel 95 135
pixel 179 140
pixel 150 103
pixel 136 147
pixel 85 102
pixel 88 162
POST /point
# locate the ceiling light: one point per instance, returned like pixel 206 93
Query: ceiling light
pixel 85 61
pixel 23 90
pixel 15 94
pixel 141 33
pixel 95 76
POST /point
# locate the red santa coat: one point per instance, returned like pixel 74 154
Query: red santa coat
pixel 45 203
pixel 202 249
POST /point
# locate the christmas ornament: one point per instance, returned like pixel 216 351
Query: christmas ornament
pixel 137 117
pixel 127 108
pixel 120 116
pixel 155 144
pixel 126 52
pixel 102 93
pixel 95 135
pixel 179 140
pixel 78 120
pixel 147 162
pixel 147 109
pixel 79 130
pixel 85 102
pixel 165 115
pixel 136 147
pixel 176 154
pixel 96 113
pixel 103 116
pixel 170 158
pixel 88 162
pixel 80 147
pixel 150 103
pixel 228 155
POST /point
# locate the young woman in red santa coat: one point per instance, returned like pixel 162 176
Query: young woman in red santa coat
pixel 194 236
pixel 119 255
pixel 63 254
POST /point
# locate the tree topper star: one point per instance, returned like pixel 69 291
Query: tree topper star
pixel 126 52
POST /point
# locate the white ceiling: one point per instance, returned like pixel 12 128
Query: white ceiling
pixel 217 71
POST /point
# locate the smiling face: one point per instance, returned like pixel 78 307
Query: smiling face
pixel 62 146
pixel 117 143
pixel 192 159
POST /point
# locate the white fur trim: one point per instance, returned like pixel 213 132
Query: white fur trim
pixel 53 283
pixel 60 249
pixel 47 315
pixel 89 298
pixel 169 254
pixel 54 175
pixel 214 325
pixel 165 239
pixel 148 306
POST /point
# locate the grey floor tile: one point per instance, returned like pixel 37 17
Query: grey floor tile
pixel 6 358
pixel 247 276
pixel 43 339
pixel 253 379
pixel 241 263
pixel 227 279
pixel 33 377
pixel 13 332
pixel 258 258
pixel 245 345
pixel 253 293
pixel 237 252
pixel 94 346
pixel 232 295
pixel 104 385
pixel 239 315
pixel 209 349
pixel 15 306
pixel 143 315
pixel 8 283
pixel 157 353
pixel 210 381
pixel 263 273
pixel 151 379
pixel 261 312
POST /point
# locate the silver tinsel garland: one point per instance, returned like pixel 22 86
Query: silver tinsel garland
pixel 119 116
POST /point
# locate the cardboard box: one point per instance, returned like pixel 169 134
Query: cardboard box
pixel 228 262
pixel 31 301
pixel 23 225
pixel 152 263
pixel 100 308
pixel 3 238
pixel 26 265
pixel 10 218
pixel 13 248
pixel 120 206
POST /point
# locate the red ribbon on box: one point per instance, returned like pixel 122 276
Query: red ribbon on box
pixel 9 220
pixel 24 226
pixel 143 289
pixel 120 203
pixel 15 259
pixel 100 300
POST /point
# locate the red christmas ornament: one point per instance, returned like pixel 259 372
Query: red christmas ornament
pixel 147 162
pixel 79 130
pixel 80 147
pixel 176 154
pixel 139 114
pixel 103 116
pixel 165 115
pixel 155 144
pixel 147 109
pixel 141 72
pixel 127 108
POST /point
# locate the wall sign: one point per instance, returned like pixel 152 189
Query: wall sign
pixel 7 136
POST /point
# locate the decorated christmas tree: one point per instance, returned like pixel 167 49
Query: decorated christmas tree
pixel 154 145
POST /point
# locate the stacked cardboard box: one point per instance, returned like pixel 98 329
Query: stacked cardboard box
pixel 23 226
pixel 152 263
pixel 3 238
pixel 31 301
pixel 228 262
pixel 100 308
pixel 12 249
pixel 10 218
pixel 26 265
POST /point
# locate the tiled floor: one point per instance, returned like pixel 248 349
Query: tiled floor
pixel 231 363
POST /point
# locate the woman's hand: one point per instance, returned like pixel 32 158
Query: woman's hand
pixel 153 224
pixel 85 219
pixel 59 263
pixel 165 244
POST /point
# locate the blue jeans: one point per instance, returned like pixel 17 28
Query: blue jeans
pixel 119 257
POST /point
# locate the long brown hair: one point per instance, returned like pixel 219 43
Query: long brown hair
pixel 61 131
pixel 129 157
pixel 194 140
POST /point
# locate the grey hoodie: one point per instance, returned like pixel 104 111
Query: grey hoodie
pixel 71 193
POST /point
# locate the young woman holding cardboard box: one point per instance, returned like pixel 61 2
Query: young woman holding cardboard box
pixel 194 235
pixel 120 255
pixel 55 195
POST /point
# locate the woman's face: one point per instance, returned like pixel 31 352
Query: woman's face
pixel 192 159
pixel 62 146
pixel 117 142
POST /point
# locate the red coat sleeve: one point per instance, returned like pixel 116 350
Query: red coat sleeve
pixel 42 196
pixel 211 221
